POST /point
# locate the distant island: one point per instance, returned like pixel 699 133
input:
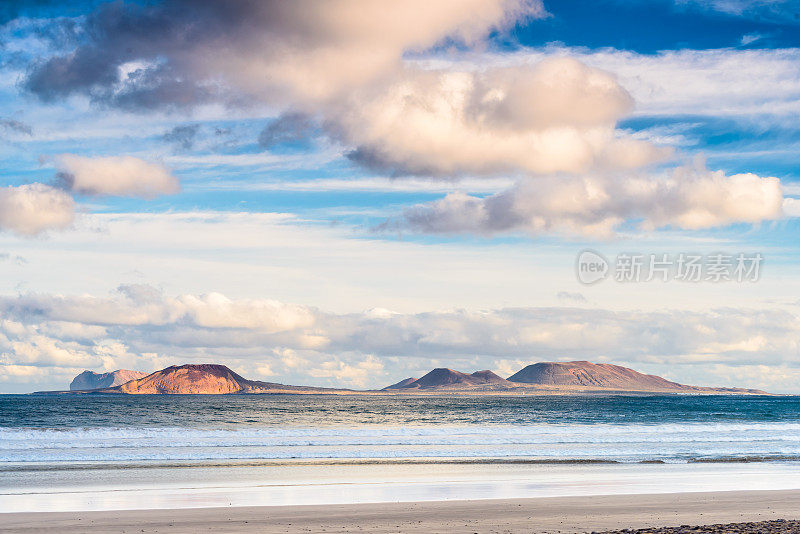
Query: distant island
pixel 91 380
pixel 544 378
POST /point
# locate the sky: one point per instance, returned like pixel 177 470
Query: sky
pixel 350 193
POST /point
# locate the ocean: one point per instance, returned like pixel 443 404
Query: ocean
pixel 287 449
pixel 48 429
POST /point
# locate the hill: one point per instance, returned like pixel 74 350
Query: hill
pixel 91 380
pixel 442 378
pixel 583 374
pixel 587 374
pixel 208 379
pixel 400 385
pixel 551 378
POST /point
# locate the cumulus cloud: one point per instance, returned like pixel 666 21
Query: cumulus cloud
pixel 343 63
pixel 358 71
pixel 182 52
pixel 689 198
pixel 142 328
pixel 555 116
pixel 34 208
pixel 115 175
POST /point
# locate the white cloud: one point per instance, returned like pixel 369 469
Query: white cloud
pixel 358 374
pixel 791 207
pixel 723 82
pixel 34 208
pixel 508 116
pixel 689 198
pixel 372 184
pixel 555 116
pixel 115 175
pixel 367 349
pixel 344 64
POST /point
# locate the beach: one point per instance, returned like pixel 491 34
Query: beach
pixel 546 515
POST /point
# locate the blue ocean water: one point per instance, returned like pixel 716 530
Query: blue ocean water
pixel 109 430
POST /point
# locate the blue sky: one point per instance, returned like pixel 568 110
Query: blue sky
pixel 340 199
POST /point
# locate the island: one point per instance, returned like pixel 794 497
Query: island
pixel 542 378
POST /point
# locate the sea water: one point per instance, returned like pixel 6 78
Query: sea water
pixel 94 452
pixel 108 429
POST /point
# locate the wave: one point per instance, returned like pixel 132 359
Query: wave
pixel 572 443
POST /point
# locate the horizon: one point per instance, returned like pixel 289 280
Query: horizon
pixel 355 196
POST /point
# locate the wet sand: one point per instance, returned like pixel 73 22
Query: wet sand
pixel 546 515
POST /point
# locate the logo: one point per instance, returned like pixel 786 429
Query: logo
pixel 591 267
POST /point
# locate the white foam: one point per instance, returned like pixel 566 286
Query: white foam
pixel 620 442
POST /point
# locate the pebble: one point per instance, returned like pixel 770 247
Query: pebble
pixel 779 526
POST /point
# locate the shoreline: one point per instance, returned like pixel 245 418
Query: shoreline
pixel 543 514
pixel 350 484
pixel 522 391
pixel 11 467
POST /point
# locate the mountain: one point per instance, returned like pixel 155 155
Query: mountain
pixel 91 380
pixel 190 378
pixel 208 379
pixel 400 385
pixel 442 378
pixel 587 375
pixel 550 378
pixel 554 378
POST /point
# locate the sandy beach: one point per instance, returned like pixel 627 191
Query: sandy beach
pixel 546 515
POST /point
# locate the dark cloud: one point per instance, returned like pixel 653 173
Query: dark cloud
pixel 289 128
pixel 182 137
pixel 181 53
pixel 383 162
pixel 148 36
pixel 14 125
pixel 64 180
pixel 568 296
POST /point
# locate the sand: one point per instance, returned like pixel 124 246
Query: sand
pixel 546 515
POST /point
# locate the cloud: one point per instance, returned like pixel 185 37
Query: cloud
pixel 554 116
pixel 137 325
pixel 31 209
pixel 368 81
pixel 115 175
pixel 791 207
pixel 182 137
pixel 344 66
pixel 289 128
pixel 180 53
pixel 771 11
pixel 359 374
pixel 689 198
pixel 568 296
pixel 724 82
pixel 16 126
pixel 750 38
